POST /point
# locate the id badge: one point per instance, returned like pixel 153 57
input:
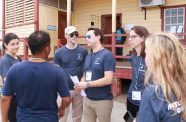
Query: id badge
pixel 136 95
pixel 88 75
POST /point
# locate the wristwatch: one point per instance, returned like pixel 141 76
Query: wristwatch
pixel 88 85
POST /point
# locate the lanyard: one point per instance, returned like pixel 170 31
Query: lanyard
pixel 92 58
pixel 137 72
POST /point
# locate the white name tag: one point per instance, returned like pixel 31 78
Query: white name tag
pixel 136 95
pixel 88 75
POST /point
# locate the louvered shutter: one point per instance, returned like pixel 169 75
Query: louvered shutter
pixel 18 12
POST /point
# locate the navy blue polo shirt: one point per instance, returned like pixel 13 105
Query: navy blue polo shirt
pixel 154 107
pixel 71 61
pixel 5 63
pixel 36 86
pixel 98 63
pixel 138 74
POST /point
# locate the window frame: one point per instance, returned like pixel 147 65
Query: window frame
pixel 16 15
pixel 183 41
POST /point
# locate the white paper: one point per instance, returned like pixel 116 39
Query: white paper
pixel 180 29
pixel 173 29
pixel 76 81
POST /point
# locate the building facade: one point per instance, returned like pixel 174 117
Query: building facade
pixel 25 16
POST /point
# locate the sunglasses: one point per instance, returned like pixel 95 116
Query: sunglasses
pixel 87 36
pixel 74 33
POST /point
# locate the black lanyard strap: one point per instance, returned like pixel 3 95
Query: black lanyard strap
pixel 92 58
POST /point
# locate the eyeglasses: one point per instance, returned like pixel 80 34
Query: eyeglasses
pixel 74 33
pixel 133 36
pixel 88 37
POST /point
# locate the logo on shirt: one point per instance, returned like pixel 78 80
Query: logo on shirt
pixel 175 106
pixel 97 61
pixel 79 57
pixel 142 68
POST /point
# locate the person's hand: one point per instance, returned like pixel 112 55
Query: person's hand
pixel 77 88
pixel 81 86
pixel 77 91
pixel 61 113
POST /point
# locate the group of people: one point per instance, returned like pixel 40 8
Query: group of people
pixel 37 84
pixel 42 91
pixel 157 91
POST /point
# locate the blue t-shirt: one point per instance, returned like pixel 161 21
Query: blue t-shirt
pixel 5 63
pixel 138 73
pixel 71 61
pixel 98 63
pixel 154 108
pixel 36 86
pixel 120 39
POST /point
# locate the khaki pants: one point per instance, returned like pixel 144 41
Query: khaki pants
pixel 77 107
pixel 1 81
pixel 101 109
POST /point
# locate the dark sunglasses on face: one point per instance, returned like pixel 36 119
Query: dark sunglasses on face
pixel 74 33
pixel 87 36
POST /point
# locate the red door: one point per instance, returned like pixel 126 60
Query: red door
pixel 62 23
pixel 106 26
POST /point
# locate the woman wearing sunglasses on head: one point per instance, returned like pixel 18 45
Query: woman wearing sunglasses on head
pixel 164 99
pixel 11 47
pixel 136 41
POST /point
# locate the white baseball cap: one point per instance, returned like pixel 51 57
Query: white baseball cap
pixel 70 29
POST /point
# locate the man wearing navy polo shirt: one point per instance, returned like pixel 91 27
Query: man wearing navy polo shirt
pixel 36 84
pixel 71 58
pixel 98 75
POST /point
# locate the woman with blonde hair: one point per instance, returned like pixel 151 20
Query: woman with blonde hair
pixel 164 99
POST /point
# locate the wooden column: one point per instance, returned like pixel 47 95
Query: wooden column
pixel 68 12
pixel 114 6
pixel 25 45
pixel 3 25
pixel 116 87
pixel 36 15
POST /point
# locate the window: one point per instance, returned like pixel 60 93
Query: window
pixel 60 4
pixel 174 20
pixel 52 3
pixel 19 12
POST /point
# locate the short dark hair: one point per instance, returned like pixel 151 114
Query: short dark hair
pixel 118 23
pixel 97 32
pixel 8 37
pixel 38 40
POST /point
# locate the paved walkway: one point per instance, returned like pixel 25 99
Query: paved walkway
pixel 117 113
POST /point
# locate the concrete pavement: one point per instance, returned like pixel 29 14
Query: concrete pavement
pixel 118 110
pixel 117 113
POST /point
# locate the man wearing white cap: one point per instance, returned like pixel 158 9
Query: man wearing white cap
pixel 71 58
